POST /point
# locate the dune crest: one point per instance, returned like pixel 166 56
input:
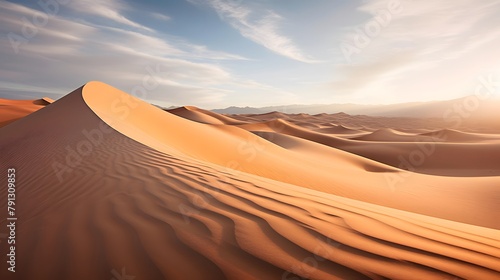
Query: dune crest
pixel 203 116
pixel 12 110
pixel 127 185
pixel 452 135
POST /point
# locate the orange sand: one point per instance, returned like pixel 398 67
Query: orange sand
pixel 189 194
pixel 11 110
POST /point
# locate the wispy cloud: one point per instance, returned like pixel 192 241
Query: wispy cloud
pixel 161 16
pixel 262 27
pixel 430 50
pixel 80 51
pixel 109 9
pixel 148 45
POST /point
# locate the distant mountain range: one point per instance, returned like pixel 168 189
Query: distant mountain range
pixel 466 107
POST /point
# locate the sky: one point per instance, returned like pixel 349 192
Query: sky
pixel 219 53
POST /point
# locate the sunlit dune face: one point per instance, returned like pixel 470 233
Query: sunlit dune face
pixel 119 188
pixel 250 140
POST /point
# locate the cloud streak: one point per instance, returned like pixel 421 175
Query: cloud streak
pixel 161 17
pixel 108 9
pixel 429 50
pixel 426 51
pixel 261 27
pixel 80 51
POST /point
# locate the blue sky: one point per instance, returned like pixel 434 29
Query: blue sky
pixel 219 53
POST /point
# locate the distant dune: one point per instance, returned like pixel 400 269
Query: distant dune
pixel 107 182
pixel 471 106
pixel 203 116
pixel 450 135
pixel 338 129
pixel 11 110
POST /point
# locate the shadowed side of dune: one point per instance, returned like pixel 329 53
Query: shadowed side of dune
pixel 391 135
pixel 236 149
pixel 123 206
pixel 339 129
pixel 450 135
pixel 203 116
pixel 456 159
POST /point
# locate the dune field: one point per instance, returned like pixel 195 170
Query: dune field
pixel 111 187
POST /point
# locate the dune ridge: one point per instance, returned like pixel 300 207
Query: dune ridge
pixel 12 110
pixel 436 156
pixel 234 148
pixel 339 129
pixel 452 135
pixel 158 207
pixel 203 116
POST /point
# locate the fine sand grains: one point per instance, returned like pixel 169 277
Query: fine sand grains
pixel 159 196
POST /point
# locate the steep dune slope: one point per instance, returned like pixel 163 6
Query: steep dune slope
pixel 94 203
pixel 234 148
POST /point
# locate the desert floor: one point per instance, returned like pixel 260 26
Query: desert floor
pixel 110 187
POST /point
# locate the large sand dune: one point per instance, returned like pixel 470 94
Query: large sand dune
pixel 108 183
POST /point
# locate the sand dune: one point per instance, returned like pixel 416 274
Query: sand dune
pixel 203 116
pixel 125 185
pixel 387 135
pixel 420 155
pixel 391 135
pixel 487 124
pixel 339 129
pixel 451 135
pixel 271 115
pixel 12 110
